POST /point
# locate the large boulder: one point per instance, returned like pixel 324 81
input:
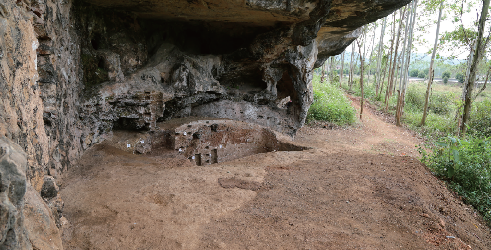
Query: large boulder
pixel 26 221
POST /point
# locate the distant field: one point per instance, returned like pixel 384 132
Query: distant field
pixel 452 86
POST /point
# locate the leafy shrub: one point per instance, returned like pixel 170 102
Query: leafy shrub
pixel 422 74
pixel 414 73
pixel 330 104
pixel 446 74
pixel 460 77
pixel 480 124
pixel 443 103
pixel 466 166
pixel 335 79
pixel 445 79
pixel 415 97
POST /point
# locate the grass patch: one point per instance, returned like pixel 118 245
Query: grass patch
pixel 330 104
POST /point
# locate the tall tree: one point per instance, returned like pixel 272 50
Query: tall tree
pixel 430 73
pixel 405 65
pixel 401 68
pixel 379 57
pixel 350 81
pixel 341 73
pixel 361 79
pixel 390 56
pixel 391 85
pixel 469 83
pixel 323 71
pixel 385 60
pixel 371 53
pixel 332 68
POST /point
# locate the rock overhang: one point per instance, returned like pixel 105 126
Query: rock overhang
pixel 216 58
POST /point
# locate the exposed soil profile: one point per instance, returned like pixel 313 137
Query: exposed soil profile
pixel 357 188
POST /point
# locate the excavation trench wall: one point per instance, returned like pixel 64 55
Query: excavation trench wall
pixel 203 142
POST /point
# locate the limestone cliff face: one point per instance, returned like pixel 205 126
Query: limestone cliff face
pixel 72 71
pixel 39 77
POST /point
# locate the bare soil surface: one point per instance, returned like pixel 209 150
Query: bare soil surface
pixel 360 187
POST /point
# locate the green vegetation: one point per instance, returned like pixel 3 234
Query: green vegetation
pixel 481 119
pixel 445 79
pixel 460 77
pixel 466 166
pixel 330 104
pixel 441 111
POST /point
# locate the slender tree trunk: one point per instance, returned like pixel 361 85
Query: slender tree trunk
pixel 405 69
pixel 323 71
pixel 394 66
pixel 469 62
pixel 379 57
pixel 327 69
pixel 350 81
pixel 389 60
pixel 397 73
pixel 403 53
pixel 401 68
pixel 361 81
pixel 364 47
pixel 331 69
pixel 342 69
pixel 383 79
pixel 427 96
pixel 409 49
pixel 371 53
pixel 473 68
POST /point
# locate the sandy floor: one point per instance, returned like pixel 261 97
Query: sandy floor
pixel 357 188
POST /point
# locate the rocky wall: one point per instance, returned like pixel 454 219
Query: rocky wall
pixel 39 77
pixel 41 81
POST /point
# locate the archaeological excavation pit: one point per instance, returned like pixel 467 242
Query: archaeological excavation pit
pixel 202 141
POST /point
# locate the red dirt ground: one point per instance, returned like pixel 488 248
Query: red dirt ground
pixel 360 187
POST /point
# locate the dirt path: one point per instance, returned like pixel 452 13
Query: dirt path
pixel 357 188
